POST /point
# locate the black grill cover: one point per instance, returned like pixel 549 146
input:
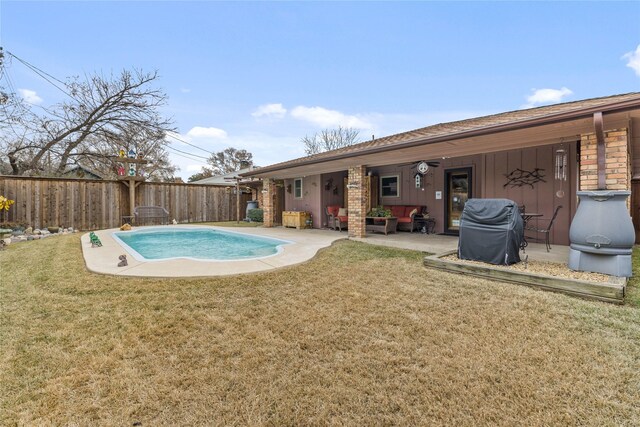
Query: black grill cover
pixel 491 230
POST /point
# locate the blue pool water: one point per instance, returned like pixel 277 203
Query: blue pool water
pixel 196 243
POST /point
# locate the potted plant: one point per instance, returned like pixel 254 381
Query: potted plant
pixel 379 212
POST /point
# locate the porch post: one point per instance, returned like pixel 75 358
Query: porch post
pixel 268 201
pixel 617 162
pixel 357 200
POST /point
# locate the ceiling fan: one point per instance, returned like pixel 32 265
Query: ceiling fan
pixel 423 166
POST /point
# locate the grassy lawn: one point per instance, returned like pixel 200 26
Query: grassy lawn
pixel 360 335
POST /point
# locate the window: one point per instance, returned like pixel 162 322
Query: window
pixel 297 188
pixel 390 186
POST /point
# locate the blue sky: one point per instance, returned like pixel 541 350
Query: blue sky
pixel 260 76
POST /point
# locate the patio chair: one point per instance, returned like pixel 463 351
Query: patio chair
pixel 334 219
pixel 546 231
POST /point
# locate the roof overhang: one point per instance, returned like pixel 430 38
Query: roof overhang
pixel 549 129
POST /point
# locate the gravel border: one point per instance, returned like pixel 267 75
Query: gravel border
pixel 540 267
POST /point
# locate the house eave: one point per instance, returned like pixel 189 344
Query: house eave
pixel 583 113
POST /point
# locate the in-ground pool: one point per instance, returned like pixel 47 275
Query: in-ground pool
pixel 208 244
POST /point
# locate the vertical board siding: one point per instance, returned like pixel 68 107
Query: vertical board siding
pixel 89 204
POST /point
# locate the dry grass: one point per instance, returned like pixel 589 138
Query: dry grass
pixel 360 335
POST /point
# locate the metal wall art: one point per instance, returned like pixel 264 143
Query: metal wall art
pixel 519 177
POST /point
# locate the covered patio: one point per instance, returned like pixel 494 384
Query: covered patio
pixel 537 157
pixel 439 244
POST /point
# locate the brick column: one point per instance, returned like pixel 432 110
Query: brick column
pixel 617 161
pixel 357 200
pixel 268 201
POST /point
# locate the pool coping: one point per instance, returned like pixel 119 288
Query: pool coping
pixel 137 255
pixel 304 245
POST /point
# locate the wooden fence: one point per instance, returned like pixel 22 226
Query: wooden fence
pixel 90 204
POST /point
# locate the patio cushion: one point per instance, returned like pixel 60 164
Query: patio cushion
pixel 409 211
pixel 397 211
pixel 342 212
pixel 404 219
pixel 333 210
pixel 343 218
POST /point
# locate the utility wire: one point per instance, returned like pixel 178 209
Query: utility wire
pixel 187 157
pixel 188 143
pixel 46 76
pixel 186 152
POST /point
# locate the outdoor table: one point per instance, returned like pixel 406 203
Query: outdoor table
pixel 420 221
pixel 526 216
pixel 381 224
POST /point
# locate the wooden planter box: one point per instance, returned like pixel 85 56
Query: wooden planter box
pixel 295 219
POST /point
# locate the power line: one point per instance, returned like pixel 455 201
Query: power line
pixel 188 143
pixel 43 74
pixel 189 158
pixel 186 152
pixel 187 155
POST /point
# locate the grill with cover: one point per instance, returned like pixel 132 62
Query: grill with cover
pixel 491 230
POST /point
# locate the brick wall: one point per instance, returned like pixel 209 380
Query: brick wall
pixel 268 201
pixel 618 161
pixel 357 200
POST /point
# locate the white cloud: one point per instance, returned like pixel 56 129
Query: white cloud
pixel 633 60
pixel 270 110
pixel 328 118
pixel 30 96
pixel 210 132
pixel 546 96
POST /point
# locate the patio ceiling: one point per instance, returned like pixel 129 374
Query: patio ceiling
pixel 449 146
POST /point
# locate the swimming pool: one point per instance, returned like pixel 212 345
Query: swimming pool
pixel 199 243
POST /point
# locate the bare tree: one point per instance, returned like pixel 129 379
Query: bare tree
pixel 330 139
pixel 229 160
pixel 102 110
pixel 147 143
pixel 204 173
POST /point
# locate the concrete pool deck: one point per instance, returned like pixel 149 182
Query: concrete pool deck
pixel 305 244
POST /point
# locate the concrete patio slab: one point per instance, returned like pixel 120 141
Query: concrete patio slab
pixel 438 244
pixel 305 244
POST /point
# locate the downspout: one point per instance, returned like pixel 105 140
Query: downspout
pixel 602 176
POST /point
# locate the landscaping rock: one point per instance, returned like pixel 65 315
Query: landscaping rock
pixel 28 231
pixel 37 231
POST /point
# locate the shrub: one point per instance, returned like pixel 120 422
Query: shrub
pixel 255 215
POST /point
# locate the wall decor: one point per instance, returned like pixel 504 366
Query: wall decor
pixel 519 177
pixel 329 184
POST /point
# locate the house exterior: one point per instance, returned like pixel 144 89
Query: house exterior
pixel 233 179
pixel 81 172
pixel 538 157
